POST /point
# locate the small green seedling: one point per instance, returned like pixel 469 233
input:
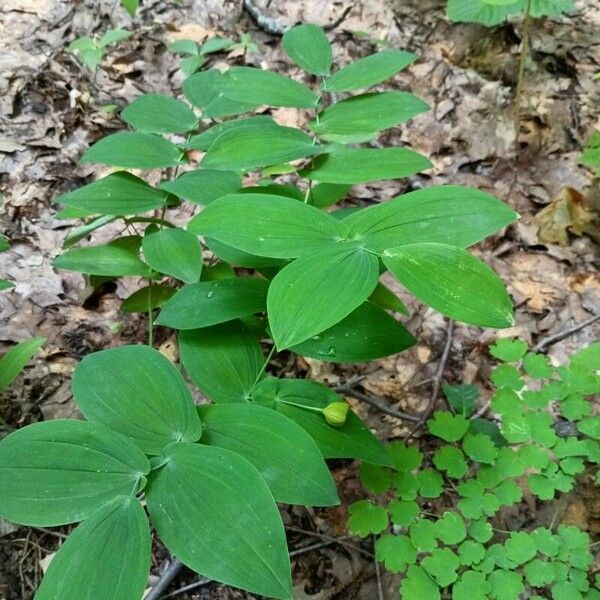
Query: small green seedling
pixel 91 51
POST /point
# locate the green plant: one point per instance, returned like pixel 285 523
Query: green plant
pixel 591 154
pixel 547 435
pixel 4 246
pixel 197 54
pixel 280 267
pixel 494 12
pixel 91 51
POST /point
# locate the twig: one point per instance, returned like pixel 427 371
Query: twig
pixel 521 73
pixel 173 569
pixel 437 380
pixel 267 24
pixel 339 540
pixel 339 20
pixel 187 588
pixel 565 333
pixel 377 403
pixel 380 595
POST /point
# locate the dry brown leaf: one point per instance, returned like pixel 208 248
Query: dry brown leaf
pixel 567 213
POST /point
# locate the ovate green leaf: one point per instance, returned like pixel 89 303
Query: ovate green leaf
pixel 308 46
pixel 157 113
pixel 369 71
pixel 203 186
pixel 336 280
pixel 174 252
pixel 138 392
pixel 453 282
pixel 15 359
pixel 222 505
pixel 131 149
pixel 224 361
pixel 119 193
pixel 212 302
pixel 283 452
pixel 61 471
pixel 107 556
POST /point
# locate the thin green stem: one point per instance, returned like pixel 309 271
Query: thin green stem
pixel 264 367
pixel 150 316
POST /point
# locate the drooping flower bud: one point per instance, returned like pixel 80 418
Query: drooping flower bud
pixel 336 413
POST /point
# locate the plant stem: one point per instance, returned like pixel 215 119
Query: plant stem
pixel 264 367
pixel 150 316
pixel 522 60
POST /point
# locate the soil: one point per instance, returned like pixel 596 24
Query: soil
pixel 52 108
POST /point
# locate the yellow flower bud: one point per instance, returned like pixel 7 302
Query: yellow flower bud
pixel 335 413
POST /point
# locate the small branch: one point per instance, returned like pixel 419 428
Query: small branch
pixel 380 595
pixel 521 73
pixel 339 20
pixel 437 380
pixel 376 402
pixel 173 569
pixel 267 24
pixel 565 333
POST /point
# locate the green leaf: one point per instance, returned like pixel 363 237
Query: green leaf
pixel 79 233
pixel 147 298
pixel 174 252
pixel 471 585
pixel 119 193
pixel 431 484
pixel 205 524
pixel 284 454
pixel 103 260
pixel 5 285
pixel 258 86
pixel 130 6
pixel 476 11
pixel 361 165
pixel 507 376
pixel 520 547
pixel 291 396
pixel 508 493
pixel 336 280
pixel 546 542
pixel 365 334
pixel 114 36
pixel 184 47
pixel 539 573
pixel 481 531
pixel 406 458
pixel 375 478
pixel 365 517
pixel 505 585
pixel 386 299
pixel 406 485
pixel 462 398
pixel 216 44
pixel 423 535
pixel 367 113
pixel 267 225
pixel 590 426
pixel 565 590
pixel 205 90
pixel 395 551
pixel 471 552
pixel 451 460
pixel 480 448
pixel 61 471
pixel 403 512
pixel 442 566
pixel 257 144
pixel 587 358
pixel 451 528
pixel 157 113
pixel 136 391
pixel 508 350
pixel 15 359
pixel 233 256
pixel 204 140
pixel 537 366
pixel 212 302
pixel 453 282
pixel 224 361
pixel 447 426
pixel 131 149
pixel 91 562
pixel 446 214
pixel 417 584
pixel 203 186
pixel 308 46
pixel 369 71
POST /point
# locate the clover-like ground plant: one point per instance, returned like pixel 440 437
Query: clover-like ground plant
pixel 269 261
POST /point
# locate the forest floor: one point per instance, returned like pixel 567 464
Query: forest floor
pixel 51 109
